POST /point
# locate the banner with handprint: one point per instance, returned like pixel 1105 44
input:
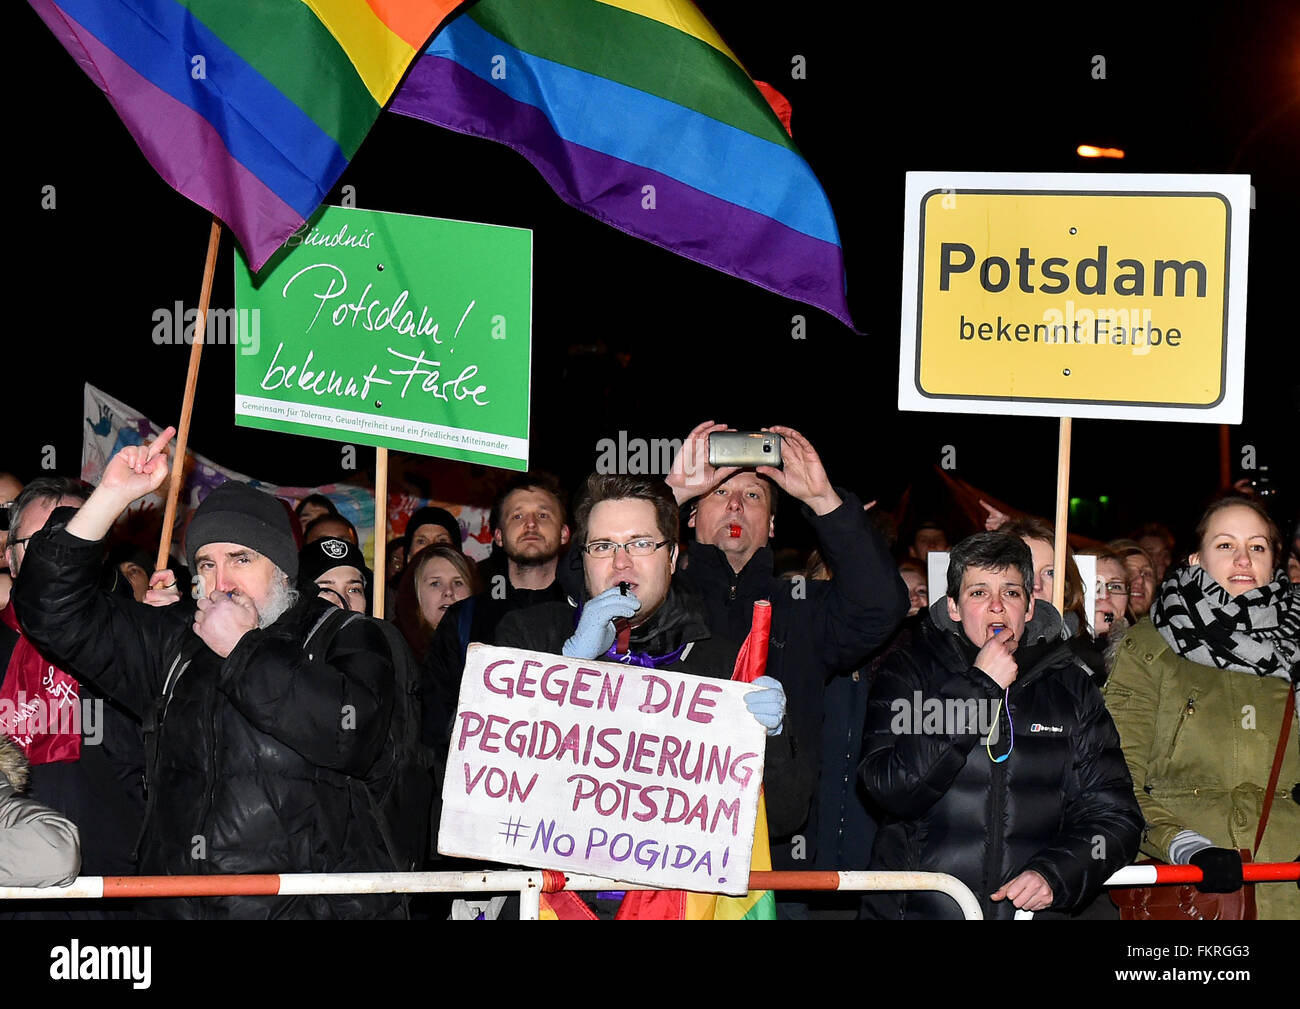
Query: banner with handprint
pixel 111 425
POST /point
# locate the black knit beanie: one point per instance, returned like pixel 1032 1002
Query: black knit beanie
pixel 236 513
pixel 319 557
pixel 431 515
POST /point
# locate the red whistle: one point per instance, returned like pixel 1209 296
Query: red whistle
pixel 735 531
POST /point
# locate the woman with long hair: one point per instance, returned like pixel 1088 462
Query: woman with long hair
pixel 1200 692
pixel 435 578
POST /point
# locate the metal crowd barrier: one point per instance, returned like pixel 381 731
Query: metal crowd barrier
pixel 530 884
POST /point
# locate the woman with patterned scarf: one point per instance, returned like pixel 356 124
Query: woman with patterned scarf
pixel 1199 691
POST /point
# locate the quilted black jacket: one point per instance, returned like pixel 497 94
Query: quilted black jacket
pixel 258 761
pixel 1061 804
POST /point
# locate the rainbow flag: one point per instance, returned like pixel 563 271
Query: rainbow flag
pixel 637 113
pixel 757 905
pixel 251 110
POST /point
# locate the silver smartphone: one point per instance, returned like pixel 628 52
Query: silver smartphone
pixel 744 448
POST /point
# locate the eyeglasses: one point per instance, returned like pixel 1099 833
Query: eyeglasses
pixel 1112 588
pixel 607 549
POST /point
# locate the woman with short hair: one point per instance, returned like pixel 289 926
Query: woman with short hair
pixel 1141 577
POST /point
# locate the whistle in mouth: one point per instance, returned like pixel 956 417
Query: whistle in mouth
pixel 623 587
pixel 735 531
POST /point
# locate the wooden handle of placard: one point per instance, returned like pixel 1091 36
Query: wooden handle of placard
pixel 381 531
pixel 187 404
pixel 1062 513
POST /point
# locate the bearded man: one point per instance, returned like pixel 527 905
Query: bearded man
pixel 266 714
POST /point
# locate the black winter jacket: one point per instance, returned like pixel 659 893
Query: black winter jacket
pixel 444 662
pixel 820 629
pixel 1062 804
pixel 546 627
pixel 258 761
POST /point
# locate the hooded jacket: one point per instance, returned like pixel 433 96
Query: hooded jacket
pixel 38 847
pixel 259 762
pixel 1061 804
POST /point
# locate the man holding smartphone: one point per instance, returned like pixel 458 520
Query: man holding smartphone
pixel 820 629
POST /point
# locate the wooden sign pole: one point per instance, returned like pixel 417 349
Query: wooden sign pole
pixel 1062 512
pixel 187 404
pixel 381 531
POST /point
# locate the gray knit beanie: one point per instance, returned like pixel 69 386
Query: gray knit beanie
pixel 236 513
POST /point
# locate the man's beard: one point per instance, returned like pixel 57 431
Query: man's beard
pixel 533 560
pixel 283 597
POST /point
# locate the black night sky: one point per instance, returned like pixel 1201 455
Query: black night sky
pixel 630 337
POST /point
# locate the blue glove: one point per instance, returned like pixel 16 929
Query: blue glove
pixel 595 631
pixel 767 704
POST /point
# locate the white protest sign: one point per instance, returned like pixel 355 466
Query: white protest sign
pixel 637 774
pixel 936 574
pixel 1087 565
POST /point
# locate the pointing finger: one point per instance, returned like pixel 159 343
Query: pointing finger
pixel 160 443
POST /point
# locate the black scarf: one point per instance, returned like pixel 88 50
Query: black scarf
pixel 1255 632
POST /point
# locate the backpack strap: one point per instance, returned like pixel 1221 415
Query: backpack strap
pixel 341 616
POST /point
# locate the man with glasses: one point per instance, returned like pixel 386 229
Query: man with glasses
pixel 1112 593
pixel 626 528
pixel 10 488
pixel 86 755
pixel 1110 613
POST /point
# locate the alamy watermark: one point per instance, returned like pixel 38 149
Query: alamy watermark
pixel 638 456
pixel 24 718
pixel 946 716
pixel 241 327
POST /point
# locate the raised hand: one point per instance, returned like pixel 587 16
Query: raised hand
pixel 595 631
pixel 996 519
pixel 691 475
pixel 801 474
pixel 137 470
pixel 996 661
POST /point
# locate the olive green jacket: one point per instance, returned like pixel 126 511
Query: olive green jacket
pixel 1199 742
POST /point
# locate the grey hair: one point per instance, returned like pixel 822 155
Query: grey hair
pixel 283 598
pixel 46 488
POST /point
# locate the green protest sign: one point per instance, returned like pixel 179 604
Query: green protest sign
pixel 412 333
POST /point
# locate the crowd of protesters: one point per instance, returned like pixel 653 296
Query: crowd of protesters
pixel 263 722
